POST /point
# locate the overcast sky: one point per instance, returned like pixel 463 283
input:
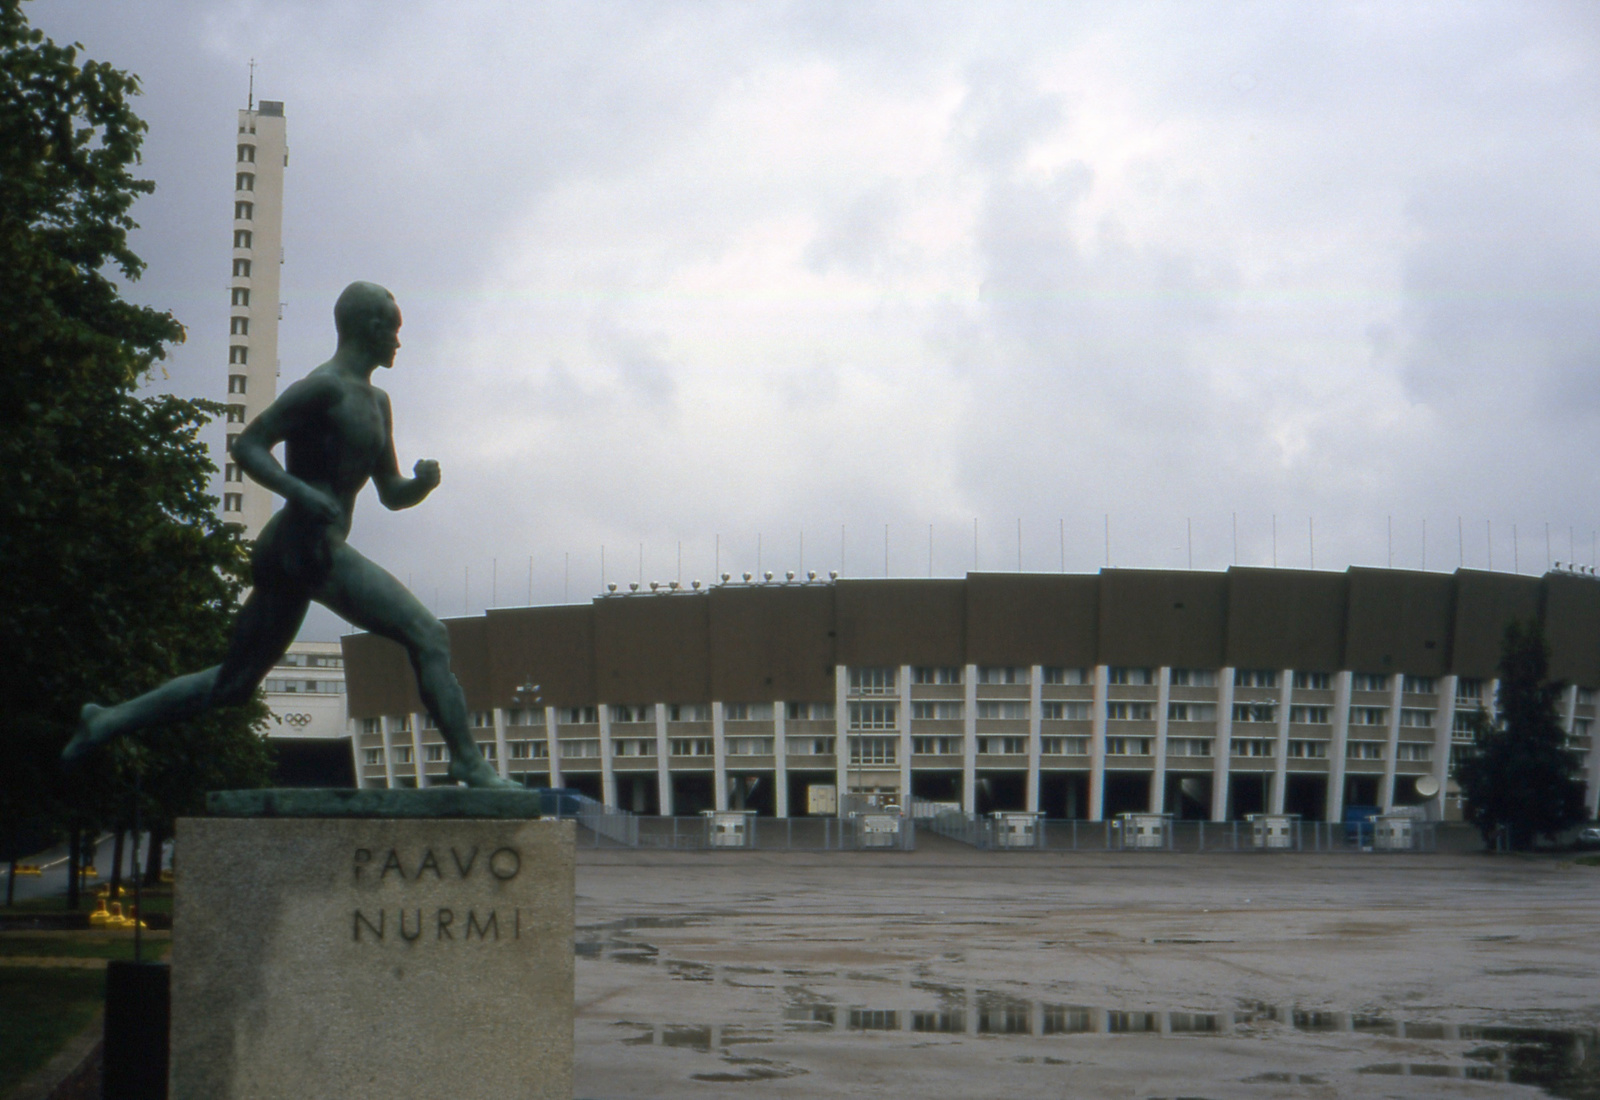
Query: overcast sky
pixel 698 274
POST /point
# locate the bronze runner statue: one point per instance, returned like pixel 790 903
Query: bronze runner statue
pixel 337 432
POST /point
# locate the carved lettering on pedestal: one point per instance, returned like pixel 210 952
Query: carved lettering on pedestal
pixel 373 926
pixel 449 924
pixel 503 863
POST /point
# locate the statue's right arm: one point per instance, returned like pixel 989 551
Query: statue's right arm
pixel 252 450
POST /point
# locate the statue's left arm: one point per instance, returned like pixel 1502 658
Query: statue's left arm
pixel 395 491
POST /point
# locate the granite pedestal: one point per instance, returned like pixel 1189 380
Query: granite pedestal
pixel 381 956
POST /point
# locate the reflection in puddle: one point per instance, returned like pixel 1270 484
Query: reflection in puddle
pixel 808 1017
pixel 939 1022
pixel 873 1019
pixel 1563 1063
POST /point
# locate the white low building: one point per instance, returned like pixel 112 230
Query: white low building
pixel 305 691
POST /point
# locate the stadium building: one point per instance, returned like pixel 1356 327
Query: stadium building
pixel 1202 695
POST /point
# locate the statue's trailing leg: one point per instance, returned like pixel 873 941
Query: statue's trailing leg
pixel 173 701
pixel 90 735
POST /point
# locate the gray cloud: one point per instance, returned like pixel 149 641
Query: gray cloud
pixel 675 271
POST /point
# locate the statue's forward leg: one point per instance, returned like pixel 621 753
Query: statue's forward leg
pixel 266 625
pixel 372 599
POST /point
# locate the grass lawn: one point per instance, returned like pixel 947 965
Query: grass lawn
pixel 157 899
pixel 40 1009
pixel 81 945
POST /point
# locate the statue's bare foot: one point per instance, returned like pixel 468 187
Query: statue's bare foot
pixel 478 773
pixel 90 736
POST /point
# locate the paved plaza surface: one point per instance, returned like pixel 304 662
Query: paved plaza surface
pixel 949 972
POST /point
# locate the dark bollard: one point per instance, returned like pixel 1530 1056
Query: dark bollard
pixel 138 1012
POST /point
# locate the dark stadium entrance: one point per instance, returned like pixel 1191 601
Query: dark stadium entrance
pixel 752 791
pixel 1001 791
pixel 1189 796
pixel 1064 795
pixel 1306 795
pixel 1247 794
pixel 639 792
pixel 586 783
pixel 1361 790
pixel 936 786
pixel 691 793
pixel 1126 793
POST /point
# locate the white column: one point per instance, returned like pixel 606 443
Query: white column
pixel 1592 795
pixel 1222 750
pixel 719 759
pixel 841 735
pixel 608 774
pixel 501 751
pixel 1568 723
pixel 553 745
pixel 1158 773
pixel 1280 762
pixel 969 741
pixel 663 762
pixel 1392 747
pixel 1097 744
pixel 386 731
pixel 1035 702
pixel 904 720
pixel 416 751
pixel 356 753
pixel 1492 705
pixel 1443 737
pixel 1337 750
pixel 780 760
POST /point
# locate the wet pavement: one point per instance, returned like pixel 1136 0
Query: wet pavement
pixel 953 973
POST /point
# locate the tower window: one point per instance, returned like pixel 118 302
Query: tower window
pixel 239 326
pixel 233 502
pixel 245 181
pixel 236 383
pixel 235 414
pixel 244 211
pixel 241 238
pixel 231 472
pixel 238 354
pixel 247 154
pixel 241 269
pixel 241 294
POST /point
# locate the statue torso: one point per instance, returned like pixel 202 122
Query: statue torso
pixel 339 447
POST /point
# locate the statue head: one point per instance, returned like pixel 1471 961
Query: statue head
pixel 367 319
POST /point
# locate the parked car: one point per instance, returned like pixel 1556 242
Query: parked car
pixel 1588 837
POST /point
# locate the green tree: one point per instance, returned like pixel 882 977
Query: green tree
pixel 1519 775
pixel 115 573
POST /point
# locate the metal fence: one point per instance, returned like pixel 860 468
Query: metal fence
pixel 1181 836
pixel 604 824
pixel 607 826
pixel 861 832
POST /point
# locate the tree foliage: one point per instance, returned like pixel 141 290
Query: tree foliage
pixel 115 573
pixel 1519 775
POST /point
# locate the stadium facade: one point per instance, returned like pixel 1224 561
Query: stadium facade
pixel 1204 695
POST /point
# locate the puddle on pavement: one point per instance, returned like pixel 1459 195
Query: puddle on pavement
pixel 1563 1063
